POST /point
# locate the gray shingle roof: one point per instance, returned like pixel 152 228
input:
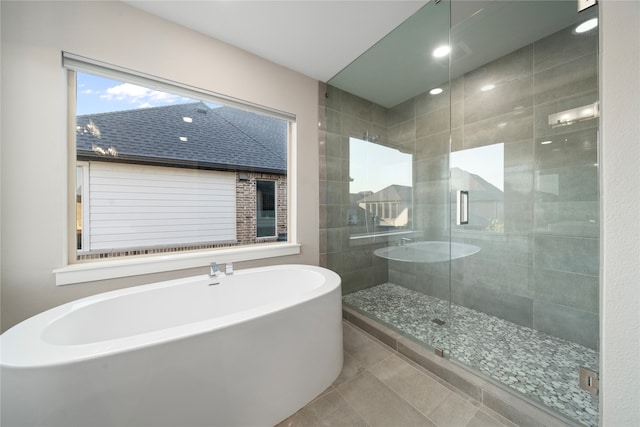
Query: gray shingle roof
pixel 221 138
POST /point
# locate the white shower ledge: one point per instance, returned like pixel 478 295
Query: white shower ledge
pixel 428 251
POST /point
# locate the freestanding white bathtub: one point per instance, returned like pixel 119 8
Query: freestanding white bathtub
pixel 247 352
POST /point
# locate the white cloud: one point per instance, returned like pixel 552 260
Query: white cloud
pixel 124 91
pixel 141 96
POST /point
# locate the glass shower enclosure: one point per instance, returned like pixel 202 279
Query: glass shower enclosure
pixel 460 191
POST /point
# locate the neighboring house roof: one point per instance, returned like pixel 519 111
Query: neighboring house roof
pixel 221 138
pixel 479 188
pixel 391 193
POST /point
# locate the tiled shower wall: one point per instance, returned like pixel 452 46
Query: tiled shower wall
pixel 542 271
pixel 343 115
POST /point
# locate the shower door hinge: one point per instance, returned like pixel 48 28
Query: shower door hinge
pixel 439 352
pixel 585 4
pixel 589 380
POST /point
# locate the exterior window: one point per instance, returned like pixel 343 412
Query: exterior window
pixel 159 171
pixel 381 201
pixel 266 208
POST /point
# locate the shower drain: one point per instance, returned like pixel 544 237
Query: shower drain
pixel 438 322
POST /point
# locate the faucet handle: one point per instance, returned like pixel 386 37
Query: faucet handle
pixel 214 270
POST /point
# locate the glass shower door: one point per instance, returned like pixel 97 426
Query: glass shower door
pixel 524 181
pixel 389 110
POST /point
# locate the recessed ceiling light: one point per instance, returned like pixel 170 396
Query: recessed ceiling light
pixel 441 51
pixel 436 91
pixel 488 87
pixel 187 119
pixel 183 138
pixel 587 25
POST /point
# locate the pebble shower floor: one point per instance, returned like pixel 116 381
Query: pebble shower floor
pixel 542 367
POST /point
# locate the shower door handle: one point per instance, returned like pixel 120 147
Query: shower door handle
pixel 462 208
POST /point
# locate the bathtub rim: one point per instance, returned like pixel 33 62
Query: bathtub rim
pixel 41 354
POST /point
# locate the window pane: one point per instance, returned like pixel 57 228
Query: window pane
pixel 381 188
pixel 266 203
pixel 79 208
pixel 165 173
pixel 480 171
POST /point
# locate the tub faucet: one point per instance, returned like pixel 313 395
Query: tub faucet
pixel 403 241
pixel 214 274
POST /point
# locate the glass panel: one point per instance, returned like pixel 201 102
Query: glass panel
pixel 511 127
pixel 79 218
pixel 387 167
pixel 266 208
pixel 524 145
pixel 479 172
pixel 380 183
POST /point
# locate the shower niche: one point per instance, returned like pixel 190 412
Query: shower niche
pixel 512 295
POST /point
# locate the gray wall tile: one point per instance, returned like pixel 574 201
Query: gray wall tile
pixel 568 79
pixel 565 322
pixel 542 129
pixel 563 46
pixel 567 149
pixel 568 254
pixel 505 98
pixel 515 65
pixel 577 291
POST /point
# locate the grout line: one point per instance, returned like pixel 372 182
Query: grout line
pixel 348 403
pixel 453 390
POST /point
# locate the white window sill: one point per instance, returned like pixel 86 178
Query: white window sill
pixel 112 269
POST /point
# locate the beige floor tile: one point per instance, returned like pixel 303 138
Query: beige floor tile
pixel 454 411
pixel 364 350
pixel 421 391
pixel 379 405
pixel 350 369
pixel 483 419
pixel 330 410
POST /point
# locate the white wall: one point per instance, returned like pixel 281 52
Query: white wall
pixel 620 213
pixel 34 132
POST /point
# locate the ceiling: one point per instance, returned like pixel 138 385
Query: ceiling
pixel 360 46
pixel 316 38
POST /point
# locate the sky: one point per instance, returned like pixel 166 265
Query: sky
pixel 99 95
pixel 374 167
pixel 486 161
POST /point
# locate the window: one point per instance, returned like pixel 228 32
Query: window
pixel 266 208
pixel 380 188
pixel 480 171
pixel 163 168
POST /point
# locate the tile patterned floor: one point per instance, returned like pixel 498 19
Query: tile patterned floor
pixel 379 388
pixel 542 367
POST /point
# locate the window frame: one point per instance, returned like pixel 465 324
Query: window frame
pixel 74 271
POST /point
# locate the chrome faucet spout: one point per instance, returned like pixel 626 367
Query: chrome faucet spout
pixel 214 274
pixel 214 270
pixel 403 241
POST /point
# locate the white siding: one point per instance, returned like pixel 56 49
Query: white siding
pixel 132 206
